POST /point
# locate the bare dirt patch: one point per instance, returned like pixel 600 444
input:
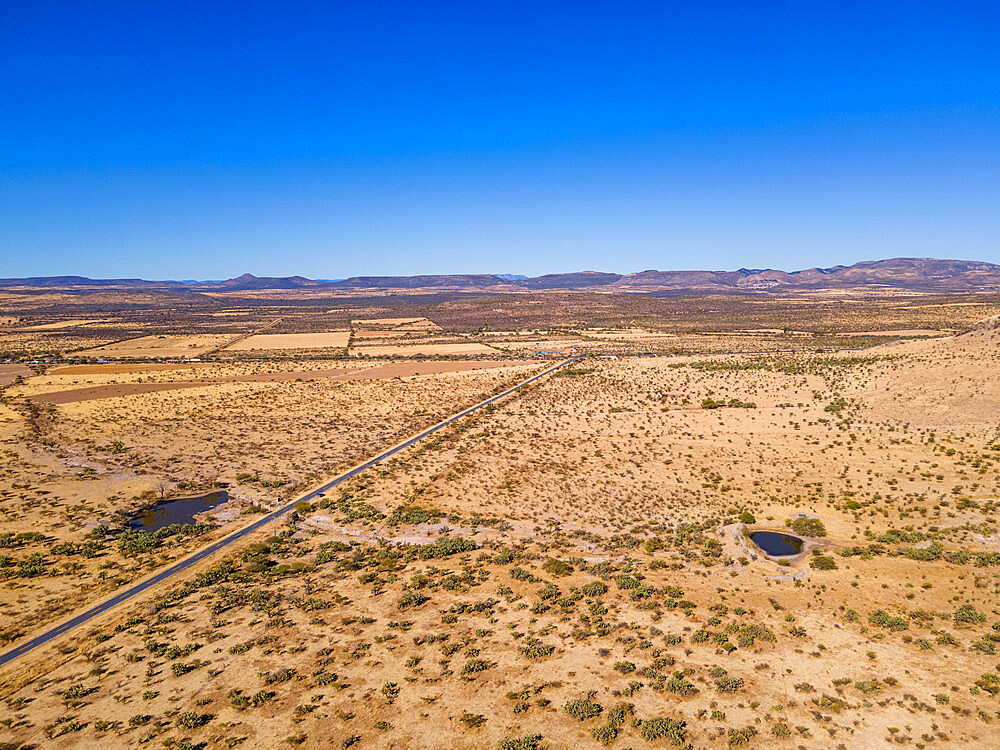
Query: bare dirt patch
pixel 426 350
pixel 268 341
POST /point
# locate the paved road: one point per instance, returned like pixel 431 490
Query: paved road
pixel 200 555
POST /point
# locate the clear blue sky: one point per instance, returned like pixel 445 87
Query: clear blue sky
pixel 207 139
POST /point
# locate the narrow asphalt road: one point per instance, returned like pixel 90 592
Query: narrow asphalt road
pixel 200 555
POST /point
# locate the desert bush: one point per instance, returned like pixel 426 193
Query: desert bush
pixel 472 721
pixel 968 615
pixel 556 567
pixel 411 599
pixel 583 709
pixel 823 562
pixel 990 682
pixel 677 683
pixel 594 589
pixel 390 691
pixel 662 728
pixel 472 666
pixel 881 618
pixel 192 720
pixel 806 526
pixel 741 737
pixel 528 742
pixel 535 649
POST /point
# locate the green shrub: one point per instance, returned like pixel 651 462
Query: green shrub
pixel 823 562
pixel 192 720
pixel 968 615
pixel 472 721
pixel 391 691
pixel 605 735
pixel 472 666
pixel 594 588
pixel 411 599
pixel 529 742
pixel 741 737
pixel 556 567
pixel 661 728
pixel 806 526
pixel 679 685
pixel 581 710
pixel 535 649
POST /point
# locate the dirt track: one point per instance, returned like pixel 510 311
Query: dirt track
pixel 393 370
pixel 9 373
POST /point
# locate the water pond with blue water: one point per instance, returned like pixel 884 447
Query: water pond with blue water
pixel 777 544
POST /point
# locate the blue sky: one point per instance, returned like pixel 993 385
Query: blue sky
pixel 204 140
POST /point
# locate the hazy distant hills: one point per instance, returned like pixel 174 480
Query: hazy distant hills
pixel 911 274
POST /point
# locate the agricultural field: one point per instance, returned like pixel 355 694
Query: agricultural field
pixel 325 340
pixel 159 346
pixel 578 565
pixel 423 350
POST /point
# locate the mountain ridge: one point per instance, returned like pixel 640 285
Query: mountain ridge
pixel 914 274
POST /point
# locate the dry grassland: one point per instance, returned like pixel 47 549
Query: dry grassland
pixel 571 568
pixel 160 346
pixel 69 469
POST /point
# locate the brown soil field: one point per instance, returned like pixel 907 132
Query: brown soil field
pixel 325 340
pixel 903 333
pixel 380 334
pixel 426 350
pixel 570 568
pixel 9 373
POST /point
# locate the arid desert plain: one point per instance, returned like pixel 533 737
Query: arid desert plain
pixel 577 565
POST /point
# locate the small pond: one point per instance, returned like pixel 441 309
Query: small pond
pixel 774 543
pixel 181 510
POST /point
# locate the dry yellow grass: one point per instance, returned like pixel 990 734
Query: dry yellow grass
pixel 268 341
pixel 574 555
pixel 160 346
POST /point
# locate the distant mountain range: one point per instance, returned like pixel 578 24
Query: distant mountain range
pixel 912 274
